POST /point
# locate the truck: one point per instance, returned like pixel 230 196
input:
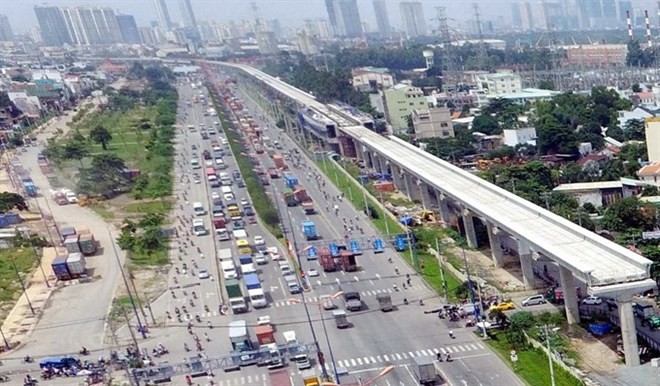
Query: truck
pixel 379 246
pixel 354 246
pixel 308 207
pixel 556 294
pixel 327 261
pixel 247 266
pixel 301 195
pixel 340 318
pixel 265 335
pixel 292 284
pixel 643 311
pixel 384 301
pixel 351 297
pixel 255 291
pixel 279 378
pixel 225 254
pixel 289 197
pixel 87 244
pixel 290 180
pixel 273 173
pixel 424 370
pixel 279 161
pixel 309 229
pixel 240 234
pixel 296 353
pixel 235 295
pixel 239 337
pixel 347 261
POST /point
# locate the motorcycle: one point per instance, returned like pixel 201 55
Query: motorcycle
pixel 83 351
pixel 185 347
pixel 198 318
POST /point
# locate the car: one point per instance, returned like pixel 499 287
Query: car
pixel 215 195
pixel 260 258
pixel 502 306
pixel 248 211
pixel 240 183
pixel 208 163
pixel 274 253
pixel 203 273
pixel 229 196
pixel 611 303
pixel 327 302
pixel 259 240
pixel 592 300
pixel 71 197
pixel 194 147
pixel 533 300
pixel 238 225
pixel 312 273
pixel 244 202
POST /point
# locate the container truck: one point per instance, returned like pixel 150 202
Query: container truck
pixel 424 370
pixel 301 195
pixel 379 246
pixel 221 231
pixel 235 295
pixel 264 334
pixel 290 180
pixel 309 229
pixel 327 262
pixel 347 261
pixel 247 266
pixel 76 264
pixel 289 197
pixel 279 161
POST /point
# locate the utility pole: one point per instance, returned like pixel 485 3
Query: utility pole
pixel 482 54
pixel 151 312
pixel 552 366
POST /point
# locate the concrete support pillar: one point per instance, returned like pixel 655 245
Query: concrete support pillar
pixel 379 165
pixel 628 333
pixel 495 245
pixel 468 225
pixel 396 177
pixel 408 185
pixel 526 265
pixel 570 295
pixel 424 194
pixel 443 203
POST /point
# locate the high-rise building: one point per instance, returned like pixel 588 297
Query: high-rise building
pixel 346 17
pixel 148 36
pixel 527 20
pixel 382 19
pixel 589 11
pixel 609 9
pixel 92 25
pixel 516 17
pixel 129 30
pixel 412 13
pixel 187 14
pixel 163 15
pixel 54 31
pixel 6 33
pixel 267 42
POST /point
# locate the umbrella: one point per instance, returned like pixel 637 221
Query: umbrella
pixel 82 373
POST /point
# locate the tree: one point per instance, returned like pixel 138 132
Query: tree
pixel 499 316
pixel 75 150
pixel 546 85
pixel 554 137
pixel 104 177
pixel 633 130
pixel 486 124
pixel 519 323
pixel 9 201
pixel 100 134
pixel 630 214
pixel 636 88
pixel 615 132
pixel 650 190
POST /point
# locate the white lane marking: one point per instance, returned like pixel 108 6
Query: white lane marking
pixel 359 361
pixel 356 278
pixel 353 363
pixel 373 360
pixel 424 353
pixel 372 282
pixel 411 354
pixel 474 347
pixel 435 350
pixel 379 358
pixel 398 357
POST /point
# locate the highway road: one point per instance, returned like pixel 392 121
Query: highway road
pixel 376 338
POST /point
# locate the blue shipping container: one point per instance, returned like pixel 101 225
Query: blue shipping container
pixel 13 218
pixel 378 246
pixel 60 269
pixel 334 249
pixel 400 243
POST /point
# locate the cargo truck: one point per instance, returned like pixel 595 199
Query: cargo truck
pixel 255 290
pixel 351 297
pixel 384 301
pixel 290 180
pixel 240 234
pixel 247 265
pixel 279 378
pixel 240 342
pixel 264 333
pixel 308 207
pixel 289 197
pixel 279 161
pixel 235 296
pixel 273 173
pixel 327 261
pixel 301 195
pixel 347 261
pixel 225 254
pixel 221 231
pixel 309 229
pixel 296 353
pixel 424 370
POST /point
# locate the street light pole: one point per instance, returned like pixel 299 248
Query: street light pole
pixel 552 366
pixel 20 279
pixel 327 341
pixel 7 346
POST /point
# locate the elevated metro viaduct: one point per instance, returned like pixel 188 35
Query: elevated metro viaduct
pixel 607 269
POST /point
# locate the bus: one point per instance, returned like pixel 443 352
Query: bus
pixel 244 247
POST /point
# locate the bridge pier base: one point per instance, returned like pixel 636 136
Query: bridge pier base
pixel 444 207
pixel 407 183
pixel 628 333
pixel 396 177
pixel 526 265
pixel 468 225
pixel 495 245
pixel 570 295
pixel 424 194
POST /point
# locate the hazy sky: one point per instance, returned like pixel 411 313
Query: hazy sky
pixel 290 12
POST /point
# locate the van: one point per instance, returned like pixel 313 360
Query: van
pixel 198 208
pixel 229 270
pixel 285 267
pixel 533 300
pixel 226 189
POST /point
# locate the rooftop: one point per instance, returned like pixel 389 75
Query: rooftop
pixel 652 169
pixel 582 186
pixel 380 70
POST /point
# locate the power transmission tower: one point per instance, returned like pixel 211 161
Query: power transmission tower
pixel 451 75
pixel 258 25
pixel 482 55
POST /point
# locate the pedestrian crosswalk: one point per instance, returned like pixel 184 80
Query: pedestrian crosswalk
pixel 455 351
pixel 316 299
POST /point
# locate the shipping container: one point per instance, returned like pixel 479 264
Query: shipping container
pixel 76 264
pixel 71 244
pixel 83 230
pixel 12 218
pixel 60 269
pixel 87 244
pixel 66 232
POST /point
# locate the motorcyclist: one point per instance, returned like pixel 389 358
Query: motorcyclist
pixel 83 350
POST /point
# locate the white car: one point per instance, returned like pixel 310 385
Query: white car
pixel 215 195
pixel 259 240
pixel 203 274
pixel 208 163
pixel 71 197
pixel 260 258
pixel 312 273
pixel 229 197
pixel 244 202
pixel 592 300
pixel 275 256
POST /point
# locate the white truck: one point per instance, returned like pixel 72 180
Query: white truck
pixel 225 254
pixel 297 354
pixel 424 369
pixel 255 290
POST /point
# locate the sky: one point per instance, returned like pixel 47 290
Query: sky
pixel 289 12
